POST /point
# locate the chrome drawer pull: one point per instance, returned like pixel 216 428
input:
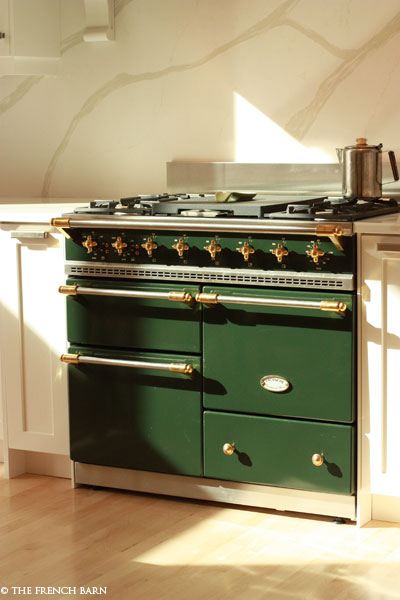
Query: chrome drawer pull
pixel 34 235
pixel 76 290
pixel 381 247
pixel 325 305
pixel 77 359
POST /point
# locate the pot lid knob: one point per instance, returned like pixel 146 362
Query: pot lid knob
pixel 361 141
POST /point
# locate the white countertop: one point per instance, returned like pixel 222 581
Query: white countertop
pixel 37 210
pixel 33 210
pixel 385 224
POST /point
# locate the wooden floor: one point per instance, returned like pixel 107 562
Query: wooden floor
pixel 142 547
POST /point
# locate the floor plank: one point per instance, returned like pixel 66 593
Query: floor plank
pixel 145 547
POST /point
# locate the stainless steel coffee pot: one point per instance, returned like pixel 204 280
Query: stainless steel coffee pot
pixel 362 170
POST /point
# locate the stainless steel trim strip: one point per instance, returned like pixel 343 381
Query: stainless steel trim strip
pixel 296 178
pixel 184 368
pixel 204 224
pixel 315 179
pixel 182 274
pixel 232 492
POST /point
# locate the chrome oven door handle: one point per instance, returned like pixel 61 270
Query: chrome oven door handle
pixel 76 290
pixel 77 359
pixel 325 305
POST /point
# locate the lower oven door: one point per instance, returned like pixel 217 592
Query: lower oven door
pixel 130 410
pixel 283 356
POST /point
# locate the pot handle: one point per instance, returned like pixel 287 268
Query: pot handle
pixel 393 165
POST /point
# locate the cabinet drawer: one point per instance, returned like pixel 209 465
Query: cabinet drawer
pixel 279 452
pixel 142 323
pixel 135 418
pixel 308 353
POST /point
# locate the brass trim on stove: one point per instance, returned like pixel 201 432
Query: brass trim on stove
pixel 180 247
pixel 228 449
pixel 68 290
pixel 246 250
pixel 333 306
pixel 76 290
pixel 62 223
pixel 213 248
pixel 317 460
pixel 207 298
pixel 77 359
pixel 315 253
pixel 279 252
pixel 334 232
pixel 324 305
pixel 180 297
pixel 70 359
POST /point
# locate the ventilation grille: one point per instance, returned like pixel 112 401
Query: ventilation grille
pixel 294 280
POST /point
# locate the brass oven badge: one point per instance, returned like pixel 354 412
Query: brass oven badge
pixel 274 383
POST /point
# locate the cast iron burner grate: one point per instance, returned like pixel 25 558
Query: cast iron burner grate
pixel 336 209
pixel 263 206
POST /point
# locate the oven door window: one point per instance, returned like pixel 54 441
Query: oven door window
pixel 136 418
pixel 286 361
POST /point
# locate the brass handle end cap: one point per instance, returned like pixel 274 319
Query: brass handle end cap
pixel 317 460
pixel 70 359
pixel 228 449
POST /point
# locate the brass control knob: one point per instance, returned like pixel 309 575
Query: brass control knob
pixel 89 244
pixel 228 449
pixel 317 460
pixel 315 253
pixel 279 252
pixel 213 248
pixel 180 247
pixel 119 245
pixel 149 246
pixel 246 250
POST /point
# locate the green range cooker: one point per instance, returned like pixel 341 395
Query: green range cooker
pixel 212 348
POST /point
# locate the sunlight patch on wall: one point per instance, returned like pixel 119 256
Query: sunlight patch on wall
pixel 259 140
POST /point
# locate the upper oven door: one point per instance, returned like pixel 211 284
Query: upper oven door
pixel 143 316
pixel 292 359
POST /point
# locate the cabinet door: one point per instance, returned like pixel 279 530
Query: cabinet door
pixel 32 37
pixel 380 363
pixel 32 339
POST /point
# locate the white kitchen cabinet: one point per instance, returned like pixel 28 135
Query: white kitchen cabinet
pixel 30 43
pixel 380 373
pixel 34 381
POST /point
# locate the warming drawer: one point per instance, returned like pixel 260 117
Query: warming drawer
pixel 292 360
pixel 279 452
pixel 142 316
pixel 135 411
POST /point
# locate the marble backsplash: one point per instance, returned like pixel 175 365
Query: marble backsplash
pixel 257 81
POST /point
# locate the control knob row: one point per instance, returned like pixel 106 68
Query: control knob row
pixel 213 248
